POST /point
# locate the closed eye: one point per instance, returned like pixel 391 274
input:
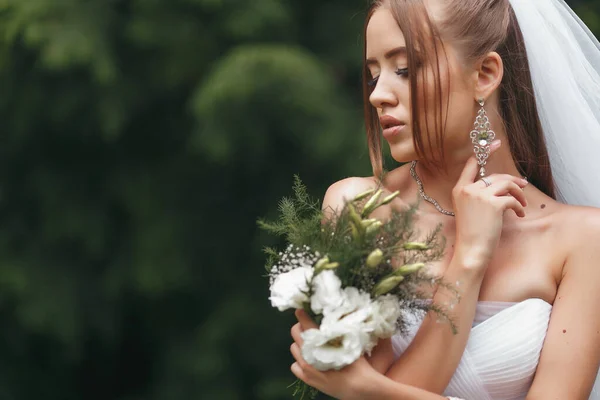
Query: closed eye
pixel 403 72
pixel 372 82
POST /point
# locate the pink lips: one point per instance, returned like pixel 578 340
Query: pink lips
pixel 391 126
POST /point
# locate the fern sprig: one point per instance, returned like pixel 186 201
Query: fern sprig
pixel 346 239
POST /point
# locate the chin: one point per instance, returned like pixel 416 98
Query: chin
pixel 403 151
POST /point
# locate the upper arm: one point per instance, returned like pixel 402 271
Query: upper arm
pixel 571 353
pixel 333 202
pixel 344 190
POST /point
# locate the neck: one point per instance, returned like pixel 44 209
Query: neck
pixel 438 183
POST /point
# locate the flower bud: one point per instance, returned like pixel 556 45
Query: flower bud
pixel 354 232
pixel 320 263
pixel 375 258
pixel 408 269
pixel 324 264
pixel 415 246
pixel 355 218
pixel 364 195
pixel 367 222
pixel 374 227
pixel 371 204
pixel 332 265
pixel 386 285
pixel 389 198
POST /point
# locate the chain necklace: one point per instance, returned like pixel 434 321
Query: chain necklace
pixel 422 193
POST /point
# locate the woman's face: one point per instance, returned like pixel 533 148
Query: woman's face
pixel 387 63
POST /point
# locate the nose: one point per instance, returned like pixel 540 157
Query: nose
pixel 383 95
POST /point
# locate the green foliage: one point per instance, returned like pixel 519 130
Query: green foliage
pixel 362 250
pixel 288 92
pixel 347 240
pixel 139 140
pixel 300 217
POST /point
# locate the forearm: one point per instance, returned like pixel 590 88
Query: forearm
pixel 433 356
pixel 382 357
pixel 383 388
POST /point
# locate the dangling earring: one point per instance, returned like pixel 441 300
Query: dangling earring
pixel 482 137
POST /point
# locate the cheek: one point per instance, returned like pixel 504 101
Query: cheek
pixel 445 112
pixel 460 118
pixel 432 97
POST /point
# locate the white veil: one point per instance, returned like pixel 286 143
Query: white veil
pixel 564 60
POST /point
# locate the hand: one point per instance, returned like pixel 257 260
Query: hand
pixel 480 209
pixel 381 358
pixel 342 384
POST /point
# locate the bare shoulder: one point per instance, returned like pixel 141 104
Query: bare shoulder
pixel 573 331
pixel 397 179
pixel 579 227
pixel 578 222
pixel 346 189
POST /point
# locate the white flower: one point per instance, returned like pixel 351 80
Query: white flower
pixel 353 300
pixel 386 311
pixel 355 310
pixel 333 346
pixel 355 314
pixel 327 292
pixel 290 289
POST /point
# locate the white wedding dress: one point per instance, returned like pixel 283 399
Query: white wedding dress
pixel 506 340
pixel 502 353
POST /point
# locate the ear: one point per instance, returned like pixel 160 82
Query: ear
pixel 489 75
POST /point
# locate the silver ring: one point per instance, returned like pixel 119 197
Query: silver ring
pixel 486 181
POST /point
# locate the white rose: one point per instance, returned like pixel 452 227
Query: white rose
pixel 386 311
pixel 327 292
pixel 333 346
pixel 289 290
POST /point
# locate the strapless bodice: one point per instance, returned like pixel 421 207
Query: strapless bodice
pixel 502 353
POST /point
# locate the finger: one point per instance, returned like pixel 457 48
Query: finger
pixel 505 177
pixel 297 354
pixel 510 203
pixel 298 372
pixel 305 320
pixel 469 172
pixel 511 188
pixel 297 334
pixel 308 370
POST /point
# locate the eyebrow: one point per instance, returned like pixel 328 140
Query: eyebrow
pixel 392 53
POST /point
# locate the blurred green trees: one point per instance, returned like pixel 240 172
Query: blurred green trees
pixel 140 139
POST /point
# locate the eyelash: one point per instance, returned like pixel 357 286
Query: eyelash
pixel 400 72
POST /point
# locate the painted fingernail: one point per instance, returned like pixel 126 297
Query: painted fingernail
pixel 496 143
pixel 525 181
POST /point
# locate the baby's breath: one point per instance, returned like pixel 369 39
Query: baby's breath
pixel 343 240
pixel 293 257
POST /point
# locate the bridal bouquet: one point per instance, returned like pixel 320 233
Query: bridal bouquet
pixel 353 274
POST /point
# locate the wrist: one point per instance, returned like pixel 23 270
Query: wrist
pixel 470 260
pixel 465 273
pixel 370 387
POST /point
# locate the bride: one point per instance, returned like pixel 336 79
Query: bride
pixel 494 106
